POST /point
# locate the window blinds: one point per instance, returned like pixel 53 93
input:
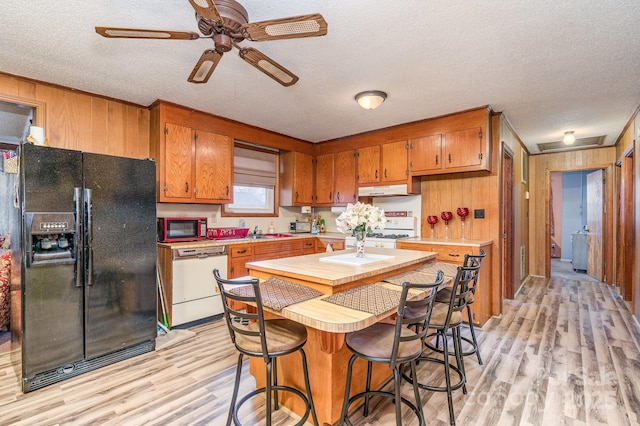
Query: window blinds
pixel 252 167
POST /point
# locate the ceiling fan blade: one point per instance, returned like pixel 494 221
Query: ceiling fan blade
pixel 205 66
pixel 112 32
pixel 268 66
pixel 207 9
pixel 295 27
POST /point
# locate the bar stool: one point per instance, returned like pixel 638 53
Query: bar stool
pixel 447 319
pixel 444 296
pixel 395 345
pixel 254 336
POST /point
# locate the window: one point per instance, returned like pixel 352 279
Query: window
pixel 254 182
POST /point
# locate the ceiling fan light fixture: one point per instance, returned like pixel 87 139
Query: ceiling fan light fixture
pixel 569 138
pixel 371 99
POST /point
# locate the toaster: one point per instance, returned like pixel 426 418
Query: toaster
pixel 299 227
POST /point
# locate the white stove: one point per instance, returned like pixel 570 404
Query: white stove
pixel 395 228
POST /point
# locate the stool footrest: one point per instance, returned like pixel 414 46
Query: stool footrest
pixel 462 379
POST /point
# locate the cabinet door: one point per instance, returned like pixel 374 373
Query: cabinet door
pixel 463 148
pixel 308 246
pixel 394 161
pixel 296 179
pixel 239 255
pixel 344 172
pixel 212 166
pixel 178 163
pixel 368 165
pixel 425 153
pixel 324 179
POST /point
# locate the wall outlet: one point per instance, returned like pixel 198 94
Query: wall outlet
pixel 478 214
pixel 553 246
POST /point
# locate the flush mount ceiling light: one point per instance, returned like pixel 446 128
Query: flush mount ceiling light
pixel 569 138
pixel 371 99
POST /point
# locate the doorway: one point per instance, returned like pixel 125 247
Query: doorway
pixel 508 227
pixel 578 224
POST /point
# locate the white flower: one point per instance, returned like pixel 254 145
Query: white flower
pixel 360 216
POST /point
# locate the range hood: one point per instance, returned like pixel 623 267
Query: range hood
pixel 383 190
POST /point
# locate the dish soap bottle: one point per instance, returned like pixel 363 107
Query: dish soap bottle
pixel 314 226
pixel 271 229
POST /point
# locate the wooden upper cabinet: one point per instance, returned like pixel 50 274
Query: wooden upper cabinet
pixel 212 166
pixel 368 165
pixel 344 178
pixel 336 179
pixel 325 172
pixel 425 153
pixel 457 151
pixel 394 162
pixel 464 148
pixel 197 166
pixel 176 177
pixel 296 179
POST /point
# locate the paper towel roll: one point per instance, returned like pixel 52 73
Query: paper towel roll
pixel 37 134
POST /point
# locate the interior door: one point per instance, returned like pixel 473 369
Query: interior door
pixel 595 216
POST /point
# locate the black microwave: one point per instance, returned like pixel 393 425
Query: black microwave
pixel 176 229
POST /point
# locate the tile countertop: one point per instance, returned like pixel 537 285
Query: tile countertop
pixel 211 243
pixel 449 242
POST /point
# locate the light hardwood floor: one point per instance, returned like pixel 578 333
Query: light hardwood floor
pixel 564 352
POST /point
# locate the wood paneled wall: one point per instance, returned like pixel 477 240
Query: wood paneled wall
pixel 539 167
pixel 77 120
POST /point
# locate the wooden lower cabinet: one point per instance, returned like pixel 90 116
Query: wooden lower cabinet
pixel 481 308
pixel 323 242
pixel 239 255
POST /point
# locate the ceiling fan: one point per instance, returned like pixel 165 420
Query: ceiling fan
pixel 227 23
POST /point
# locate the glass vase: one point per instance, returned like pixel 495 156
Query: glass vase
pixel 360 237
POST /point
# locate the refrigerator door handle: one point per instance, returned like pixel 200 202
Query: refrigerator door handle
pixel 77 236
pixel 89 235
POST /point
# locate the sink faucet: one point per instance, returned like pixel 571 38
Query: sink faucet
pixel 255 231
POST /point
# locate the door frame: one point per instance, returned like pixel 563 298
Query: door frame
pixel 508 221
pixel 607 224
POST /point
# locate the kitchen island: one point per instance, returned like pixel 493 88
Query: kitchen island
pixel 327 323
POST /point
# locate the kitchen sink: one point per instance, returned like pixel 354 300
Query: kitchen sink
pixel 267 236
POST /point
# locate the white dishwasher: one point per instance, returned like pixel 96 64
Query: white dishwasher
pixel 195 293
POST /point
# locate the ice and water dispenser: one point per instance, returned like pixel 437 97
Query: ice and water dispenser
pixel 51 238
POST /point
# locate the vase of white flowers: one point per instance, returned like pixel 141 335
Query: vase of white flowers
pixel 360 218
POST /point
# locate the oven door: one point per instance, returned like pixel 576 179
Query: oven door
pixel 350 242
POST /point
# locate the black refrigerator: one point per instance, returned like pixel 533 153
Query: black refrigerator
pixel 88 262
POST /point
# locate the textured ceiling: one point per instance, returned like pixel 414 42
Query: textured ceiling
pixel 550 66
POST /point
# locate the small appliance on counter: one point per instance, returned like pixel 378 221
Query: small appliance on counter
pixel 177 229
pixel 299 227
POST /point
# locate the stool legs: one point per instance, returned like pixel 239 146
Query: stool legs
pixel 236 385
pixel 308 386
pixel 271 385
pixel 473 335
